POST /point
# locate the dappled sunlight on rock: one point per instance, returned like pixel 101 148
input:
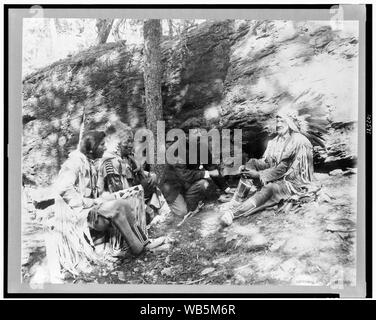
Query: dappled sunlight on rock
pixel 52 138
pixel 100 116
pixel 75 123
pixel 231 74
pixel 212 112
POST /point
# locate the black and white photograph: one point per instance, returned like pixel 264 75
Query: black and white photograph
pixel 192 151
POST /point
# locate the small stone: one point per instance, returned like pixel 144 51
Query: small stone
pixel 336 172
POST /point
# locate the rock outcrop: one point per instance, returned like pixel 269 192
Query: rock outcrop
pixel 227 74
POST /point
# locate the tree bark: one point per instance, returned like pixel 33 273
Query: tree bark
pixel 153 78
pixel 54 40
pixel 103 29
pixel 116 31
pixel 170 29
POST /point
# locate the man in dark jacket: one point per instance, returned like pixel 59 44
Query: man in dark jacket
pixel 184 188
pixel 185 185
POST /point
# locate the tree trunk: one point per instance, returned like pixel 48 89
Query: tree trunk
pixel 186 25
pixel 153 79
pixel 54 40
pixel 116 29
pixel 103 29
pixel 170 29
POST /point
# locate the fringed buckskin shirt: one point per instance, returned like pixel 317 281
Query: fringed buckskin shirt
pixel 287 159
pixel 76 182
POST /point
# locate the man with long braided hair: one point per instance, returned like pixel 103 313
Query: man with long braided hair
pixel 77 179
pixel 77 186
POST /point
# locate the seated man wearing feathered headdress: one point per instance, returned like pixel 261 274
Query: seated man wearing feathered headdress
pixel 286 168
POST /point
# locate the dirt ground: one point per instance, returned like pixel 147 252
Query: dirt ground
pixel 314 245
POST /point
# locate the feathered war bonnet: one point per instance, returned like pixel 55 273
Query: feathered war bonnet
pixel 306 115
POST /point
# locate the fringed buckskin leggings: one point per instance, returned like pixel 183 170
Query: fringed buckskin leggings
pixel 120 214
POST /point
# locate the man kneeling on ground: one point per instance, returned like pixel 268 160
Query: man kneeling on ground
pixel 184 185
